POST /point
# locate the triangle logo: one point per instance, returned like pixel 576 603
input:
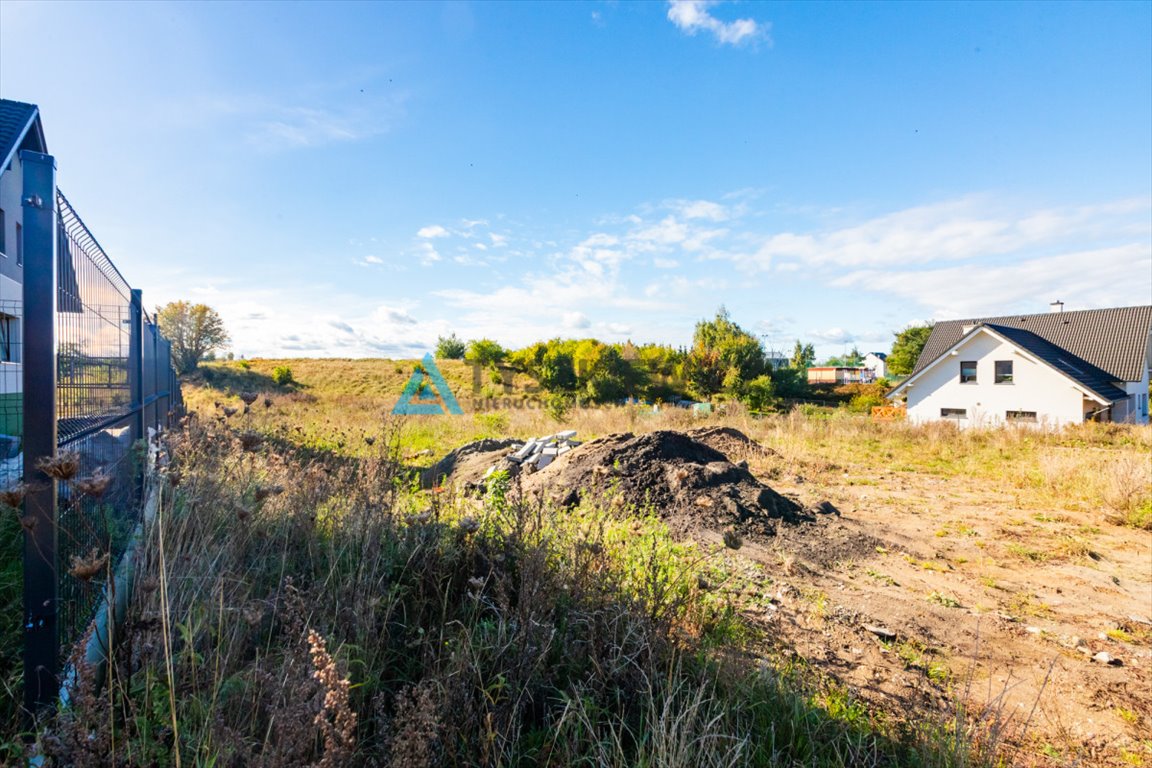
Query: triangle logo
pixel 427 393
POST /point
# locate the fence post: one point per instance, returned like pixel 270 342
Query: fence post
pixel 41 641
pixel 136 364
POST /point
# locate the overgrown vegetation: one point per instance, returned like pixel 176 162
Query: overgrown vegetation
pixel 295 610
pixel 311 606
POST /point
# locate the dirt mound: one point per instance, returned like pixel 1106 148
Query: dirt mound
pixel 468 463
pixel 731 442
pixel 687 482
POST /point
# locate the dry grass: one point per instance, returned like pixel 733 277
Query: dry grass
pixel 346 619
pixel 311 608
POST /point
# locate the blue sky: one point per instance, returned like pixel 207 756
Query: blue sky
pixel 356 179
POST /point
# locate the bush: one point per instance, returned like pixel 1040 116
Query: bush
pixel 282 375
pixel 484 352
pixel 760 394
pixel 450 347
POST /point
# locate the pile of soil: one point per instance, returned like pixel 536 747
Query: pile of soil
pixel 467 464
pixel 733 443
pixel 681 477
pixel 688 483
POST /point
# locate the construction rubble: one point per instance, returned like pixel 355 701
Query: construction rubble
pixel 539 452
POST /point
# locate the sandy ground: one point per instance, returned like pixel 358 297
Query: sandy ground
pixel 1003 609
pixel 916 592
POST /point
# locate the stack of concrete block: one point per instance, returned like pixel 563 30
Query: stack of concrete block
pixel 539 452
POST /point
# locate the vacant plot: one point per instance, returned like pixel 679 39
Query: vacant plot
pixel 1000 581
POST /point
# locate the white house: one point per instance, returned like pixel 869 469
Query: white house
pixel 876 362
pixel 1047 370
pixel 19 129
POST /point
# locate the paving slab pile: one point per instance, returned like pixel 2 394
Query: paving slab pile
pixel 539 452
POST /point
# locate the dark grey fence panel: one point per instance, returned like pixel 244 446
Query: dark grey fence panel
pixel 94 376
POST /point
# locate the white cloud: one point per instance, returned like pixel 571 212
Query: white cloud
pixel 373 260
pixel 703 209
pixel 1105 277
pixel 661 263
pixel 959 230
pixel 392 315
pixel 431 231
pixel 619 329
pixel 833 335
pixel 428 254
pixel 692 16
pixel 576 320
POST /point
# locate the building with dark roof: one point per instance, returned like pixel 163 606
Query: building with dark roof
pixel 1048 369
pixel 20 129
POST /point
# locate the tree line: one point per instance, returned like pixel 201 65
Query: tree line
pixel 724 361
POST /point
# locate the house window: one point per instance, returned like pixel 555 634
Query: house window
pixel 1003 372
pixel 968 372
pixel 3 232
pixel 9 339
pixel 953 413
pixel 19 245
pixel 1020 417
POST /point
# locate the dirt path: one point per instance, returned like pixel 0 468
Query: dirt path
pixel 1002 606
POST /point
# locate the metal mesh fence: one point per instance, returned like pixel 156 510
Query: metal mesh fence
pixel 93 331
pixel 98 418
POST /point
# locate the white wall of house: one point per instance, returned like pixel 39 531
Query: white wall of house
pixel 11 188
pixel 1138 407
pixel 876 365
pixel 1035 387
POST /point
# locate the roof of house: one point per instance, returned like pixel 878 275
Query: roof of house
pixel 17 120
pixel 880 355
pixel 1114 341
pixel 1081 371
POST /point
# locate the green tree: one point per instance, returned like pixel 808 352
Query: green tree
pixel 484 352
pixel 193 329
pixel 803 356
pixel 723 356
pixel 907 348
pixel 450 347
pixel 851 360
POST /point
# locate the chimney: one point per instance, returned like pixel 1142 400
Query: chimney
pixel 1056 306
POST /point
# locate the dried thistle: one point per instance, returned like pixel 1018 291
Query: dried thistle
pixel 469 524
pixel 62 466
pixel 733 540
pixel 248 397
pixel 94 486
pixel 13 495
pixel 229 412
pixel 84 568
pixel 267 402
pixel 369 439
pixel 251 440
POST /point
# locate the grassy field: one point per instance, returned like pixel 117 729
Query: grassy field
pixel 302 603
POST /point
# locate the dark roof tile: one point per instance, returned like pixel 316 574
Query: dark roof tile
pixel 14 119
pixel 1115 341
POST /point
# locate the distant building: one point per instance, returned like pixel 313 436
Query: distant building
pixel 1048 369
pixel 876 363
pixel 835 374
